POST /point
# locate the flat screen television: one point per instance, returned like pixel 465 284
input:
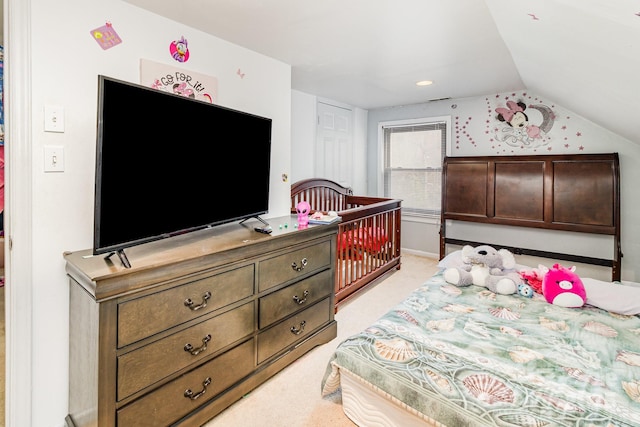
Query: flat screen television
pixel 167 164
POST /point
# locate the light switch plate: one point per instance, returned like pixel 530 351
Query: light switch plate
pixel 53 158
pixel 53 118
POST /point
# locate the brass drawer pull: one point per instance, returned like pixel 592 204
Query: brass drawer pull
pixel 305 294
pixel 297 331
pixel 303 263
pixel 205 298
pixel 195 351
pixel 188 393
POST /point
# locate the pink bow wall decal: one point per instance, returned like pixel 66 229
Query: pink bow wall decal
pixel 508 113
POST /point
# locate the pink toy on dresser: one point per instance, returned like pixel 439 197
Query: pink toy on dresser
pixel 303 208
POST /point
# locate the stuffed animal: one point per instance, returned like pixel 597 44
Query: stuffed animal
pixel 525 290
pixel 488 267
pixel 562 286
pixel 533 276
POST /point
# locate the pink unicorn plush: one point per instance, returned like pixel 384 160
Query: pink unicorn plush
pixel 562 286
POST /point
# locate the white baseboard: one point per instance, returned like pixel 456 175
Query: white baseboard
pixel 420 253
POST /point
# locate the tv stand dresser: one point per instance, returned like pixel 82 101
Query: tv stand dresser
pixel 198 321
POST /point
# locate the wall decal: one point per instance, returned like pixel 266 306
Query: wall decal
pixel 179 81
pixel 179 50
pixel 240 73
pixel 520 131
pixel 461 130
pixel 516 123
pixel 534 17
pixel 106 36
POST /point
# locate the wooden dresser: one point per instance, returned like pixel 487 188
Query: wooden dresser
pixel 198 321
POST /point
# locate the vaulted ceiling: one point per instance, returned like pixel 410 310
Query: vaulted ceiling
pixel 582 54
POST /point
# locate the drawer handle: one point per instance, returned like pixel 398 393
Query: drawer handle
pixel 195 351
pixel 297 331
pixel 297 299
pixel 205 298
pixel 303 264
pixel 188 393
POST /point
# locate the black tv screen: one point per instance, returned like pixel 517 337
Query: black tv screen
pixel 167 164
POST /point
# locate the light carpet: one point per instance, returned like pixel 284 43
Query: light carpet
pixel 292 397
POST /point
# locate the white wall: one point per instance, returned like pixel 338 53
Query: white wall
pixel 360 151
pixel 65 61
pixel 474 130
pixel 303 136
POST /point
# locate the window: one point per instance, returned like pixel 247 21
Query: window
pixel 413 155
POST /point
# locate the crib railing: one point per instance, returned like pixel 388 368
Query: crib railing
pixel 368 243
pixel 321 194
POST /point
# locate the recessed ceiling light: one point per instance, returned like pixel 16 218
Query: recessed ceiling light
pixel 424 83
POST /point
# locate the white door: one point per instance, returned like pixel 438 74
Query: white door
pixel 334 144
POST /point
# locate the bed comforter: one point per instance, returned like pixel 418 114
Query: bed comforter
pixel 469 357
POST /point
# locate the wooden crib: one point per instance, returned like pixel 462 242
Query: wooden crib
pixel 368 236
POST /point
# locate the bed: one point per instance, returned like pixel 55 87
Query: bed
pixel 540 205
pixel 368 242
pixel 464 356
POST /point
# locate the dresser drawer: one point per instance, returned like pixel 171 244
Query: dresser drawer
pixel 153 362
pixel 169 403
pixel 297 296
pixel 282 268
pixel 293 329
pixel 142 317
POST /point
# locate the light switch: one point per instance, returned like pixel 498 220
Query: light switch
pixel 53 158
pixel 53 118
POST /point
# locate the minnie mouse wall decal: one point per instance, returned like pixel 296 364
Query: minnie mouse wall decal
pixel 520 132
